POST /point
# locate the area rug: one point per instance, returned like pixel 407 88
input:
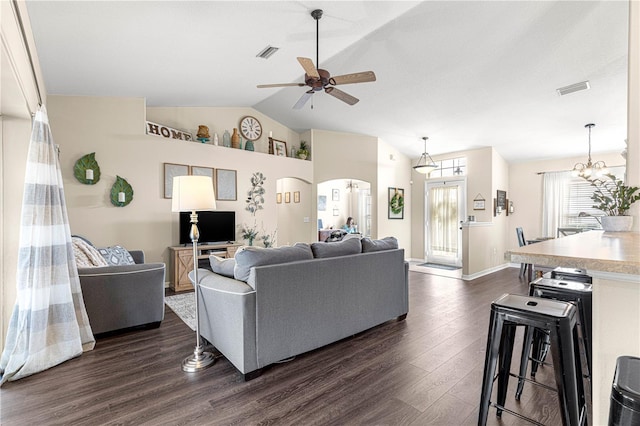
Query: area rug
pixel 439 266
pixel 184 307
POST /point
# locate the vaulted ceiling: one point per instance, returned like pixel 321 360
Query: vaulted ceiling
pixel 465 74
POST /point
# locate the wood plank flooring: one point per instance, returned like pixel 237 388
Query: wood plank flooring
pixel 426 370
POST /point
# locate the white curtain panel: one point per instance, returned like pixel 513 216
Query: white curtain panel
pixel 556 185
pixel 49 324
pixel 444 221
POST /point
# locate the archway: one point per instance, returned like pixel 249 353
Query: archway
pixel 339 199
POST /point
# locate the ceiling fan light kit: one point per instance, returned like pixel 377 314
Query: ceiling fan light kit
pixel 425 164
pixel 320 79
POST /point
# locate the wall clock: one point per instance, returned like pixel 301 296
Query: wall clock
pixel 250 128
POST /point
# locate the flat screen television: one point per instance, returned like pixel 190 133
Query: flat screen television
pixel 214 226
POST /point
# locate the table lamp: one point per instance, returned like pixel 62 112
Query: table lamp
pixel 192 193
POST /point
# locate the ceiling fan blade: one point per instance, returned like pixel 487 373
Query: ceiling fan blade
pixel 263 86
pixel 357 77
pixel 303 99
pixel 344 97
pixel 309 68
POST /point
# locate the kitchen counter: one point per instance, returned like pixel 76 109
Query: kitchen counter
pixel 613 260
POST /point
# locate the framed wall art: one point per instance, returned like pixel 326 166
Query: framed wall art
pixel 322 203
pixel 396 203
pixel 277 147
pixel 335 195
pixel 170 171
pixel 279 197
pixel 296 197
pixel 478 202
pixel 226 185
pixel 287 197
pixel 202 171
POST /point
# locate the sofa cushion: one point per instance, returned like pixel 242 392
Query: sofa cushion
pixel 222 266
pixel 117 255
pixel 336 249
pixel 252 256
pixel 387 243
pixel 86 254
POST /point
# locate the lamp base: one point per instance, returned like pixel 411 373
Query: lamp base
pixel 198 361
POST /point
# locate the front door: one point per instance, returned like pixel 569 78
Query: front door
pixel 445 207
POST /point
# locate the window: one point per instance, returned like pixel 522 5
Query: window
pixel 450 167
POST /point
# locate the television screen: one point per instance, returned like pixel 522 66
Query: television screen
pixel 214 226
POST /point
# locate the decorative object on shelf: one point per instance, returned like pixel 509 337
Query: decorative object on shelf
pixel 203 134
pixel 240 147
pixel 303 151
pixel 194 193
pixel 121 192
pixel 279 197
pixel 249 233
pixel 277 148
pixel 226 187
pixel 87 170
pixel 170 171
pixel 235 139
pixel 268 240
pixel 396 203
pixel 478 202
pixel 250 128
pixel 226 139
pixel 614 198
pixel 335 194
pixel 215 139
pixel 255 195
pixel 296 197
pixel 597 169
pixel 287 197
pixel 248 145
pixel 425 164
pixel 167 132
pixel 294 150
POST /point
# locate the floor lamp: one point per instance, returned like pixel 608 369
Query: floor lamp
pixel 192 193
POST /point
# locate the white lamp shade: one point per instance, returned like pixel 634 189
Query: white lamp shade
pixel 191 193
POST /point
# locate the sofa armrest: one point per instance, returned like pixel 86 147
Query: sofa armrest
pixel 118 297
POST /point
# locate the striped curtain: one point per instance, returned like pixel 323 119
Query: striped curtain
pixel 49 324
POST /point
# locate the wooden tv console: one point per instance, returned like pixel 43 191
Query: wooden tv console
pixel 182 261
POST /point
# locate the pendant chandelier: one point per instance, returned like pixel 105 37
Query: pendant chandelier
pixel 589 169
pixel 425 164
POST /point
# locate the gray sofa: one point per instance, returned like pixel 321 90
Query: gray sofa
pixel 286 309
pixel 124 296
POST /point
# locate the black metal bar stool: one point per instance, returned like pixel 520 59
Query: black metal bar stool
pixel 625 393
pixel 560 319
pixel 571 274
pixel 534 341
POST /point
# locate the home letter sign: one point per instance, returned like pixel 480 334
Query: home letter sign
pixel 167 132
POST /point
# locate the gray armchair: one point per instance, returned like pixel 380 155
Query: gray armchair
pixel 124 296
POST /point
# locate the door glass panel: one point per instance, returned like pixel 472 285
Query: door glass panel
pixel 444 212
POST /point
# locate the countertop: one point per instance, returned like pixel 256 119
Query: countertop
pixel 617 252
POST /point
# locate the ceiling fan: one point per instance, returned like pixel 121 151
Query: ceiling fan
pixel 318 79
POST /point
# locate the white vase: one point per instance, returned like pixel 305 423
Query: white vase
pixel 617 223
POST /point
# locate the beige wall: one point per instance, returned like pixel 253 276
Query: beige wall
pixel 294 219
pixel 113 129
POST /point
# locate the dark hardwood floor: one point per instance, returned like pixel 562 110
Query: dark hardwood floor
pixel 426 370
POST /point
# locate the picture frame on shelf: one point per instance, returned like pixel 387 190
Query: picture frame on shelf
pixel 396 203
pixel 226 185
pixel 277 147
pixel 172 170
pixel 296 197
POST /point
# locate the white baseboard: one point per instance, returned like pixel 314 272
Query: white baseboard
pixel 486 272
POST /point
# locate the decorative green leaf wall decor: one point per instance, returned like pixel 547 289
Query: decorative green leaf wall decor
pixel 121 185
pixel 88 162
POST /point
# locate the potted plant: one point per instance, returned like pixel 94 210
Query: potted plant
pixel 303 151
pixel 614 198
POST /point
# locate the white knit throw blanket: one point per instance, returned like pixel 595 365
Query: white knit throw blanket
pixel 86 255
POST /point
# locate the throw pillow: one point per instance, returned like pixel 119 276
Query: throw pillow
pixel 387 243
pixel 86 255
pixel 258 256
pixel 336 249
pixel 116 255
pixel 222 266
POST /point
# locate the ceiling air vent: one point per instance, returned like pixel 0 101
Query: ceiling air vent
pixel 267 52
pixel 583 85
